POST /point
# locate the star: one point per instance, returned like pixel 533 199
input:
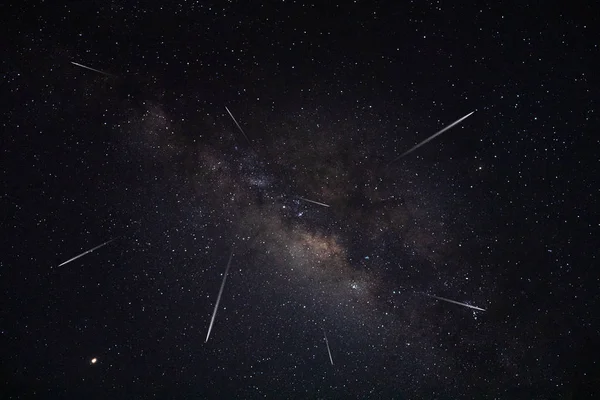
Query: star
pixel 191 130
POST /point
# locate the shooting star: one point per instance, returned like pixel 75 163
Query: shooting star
pixel 91 69
pixel 455 302
pixel 328 350
pixel 236 123
pixel 431 137
pixel 212 320
pixel 314 202
pixel 86 252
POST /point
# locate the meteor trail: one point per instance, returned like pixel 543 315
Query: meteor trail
pixel 315 202
pixel 236 123
pixel 86 252
pixel 212 320
pixel 455 302
pixel 91 69
pixel 431 137
pixel 328 350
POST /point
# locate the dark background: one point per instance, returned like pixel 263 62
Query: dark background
pixel 498 212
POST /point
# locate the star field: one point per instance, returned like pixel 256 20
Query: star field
pixel 141 159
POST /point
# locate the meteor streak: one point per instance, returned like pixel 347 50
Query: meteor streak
pixel 86 252
pixel 236 123
pixel 328 350
pixel 314 202
pixel 431 137
pixel 212 320
pixel 456 302
pixel 91 69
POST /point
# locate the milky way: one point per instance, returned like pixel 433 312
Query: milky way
pixel 359 264
pixel 279 130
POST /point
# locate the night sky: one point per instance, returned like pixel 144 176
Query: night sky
pixel 143 159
